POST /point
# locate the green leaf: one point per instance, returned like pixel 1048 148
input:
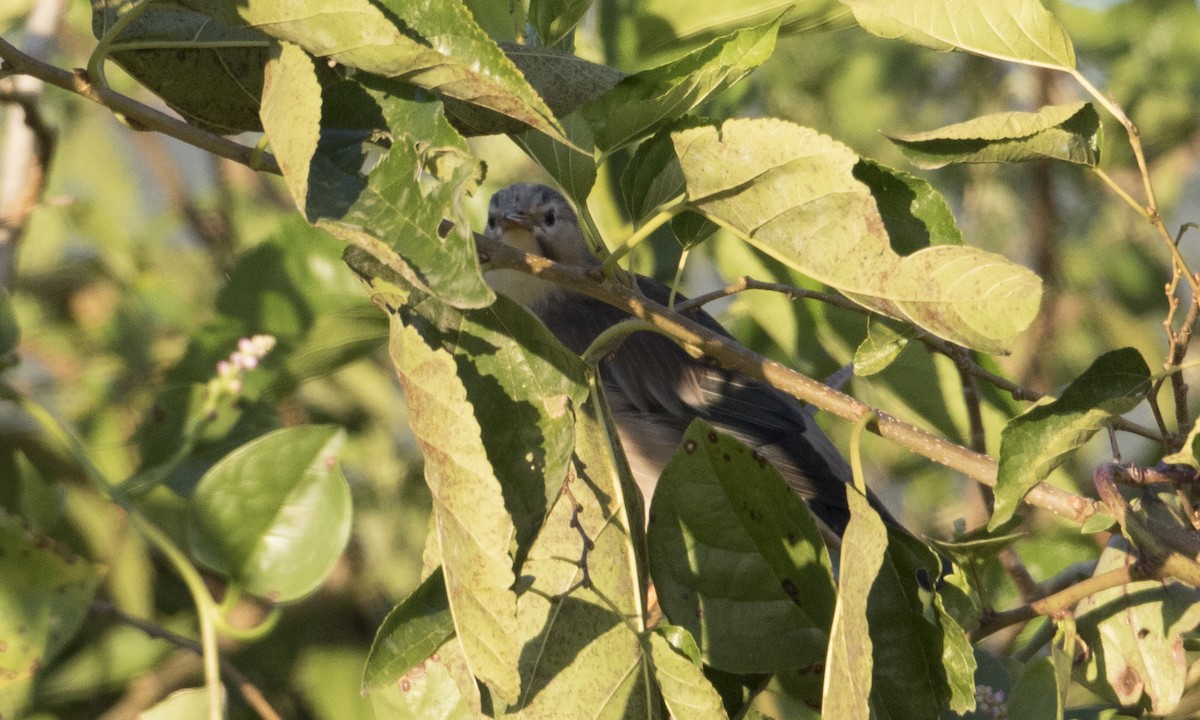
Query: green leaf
pixel 473 530
pixel 642 103
pixel 1036 693
pixel 400 210
pixel 652 178
pixel 952 602
pixel 186 703
pixel 554 20
pixel 565 82
pixel 914 214
pixel 881 346
pixel 647 32
pixel 410 634
pixel 10 332
pixel 849 666
pixel 792 193
pixel 435 46
pixel 911 637
pixel 44 598
pixel 291 115
pixel 1056 132
pixel 274 515
pixel 574 171
pixel 737 559
pixel 1037 442
pixel 1020 31
pixel 431 690
pixel 1135 633
pixel 581 616
pixel 685 690
pixel 521 381
pixel 210 72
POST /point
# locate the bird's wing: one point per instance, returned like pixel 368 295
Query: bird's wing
pixel 651 378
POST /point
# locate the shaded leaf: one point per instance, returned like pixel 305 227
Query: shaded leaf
pixel 737 558
pixel 849 666
pixel 792 193
pixel 1035 693
pixel 398 212
pixel 554 20
pixel 208 71
pixel 564 80
pixel 1135 635
pixel 1056 132
pixel 581 616
pixel 1035 443
pixel 914 214
pixel 44 598
pixel 1015 30
pixel 641 103
pixel 686 692
pixel 574 171
pixel 10 332
pixel 274 515
pixel 410 634
pixel 435 46
pixel 522 383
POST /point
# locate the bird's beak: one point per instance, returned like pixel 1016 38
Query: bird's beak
pixel 516 220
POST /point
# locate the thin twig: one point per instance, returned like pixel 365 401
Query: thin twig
pixel 1017 391
pixel 1060 603
pixel 135 113
pixel 249 691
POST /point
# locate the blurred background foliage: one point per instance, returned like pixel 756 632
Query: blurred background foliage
pixel 148 259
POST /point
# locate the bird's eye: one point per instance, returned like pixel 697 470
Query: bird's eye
pixel 491 221
pixel 551 216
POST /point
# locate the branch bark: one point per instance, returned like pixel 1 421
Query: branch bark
pixel 977 466
pixel 137 115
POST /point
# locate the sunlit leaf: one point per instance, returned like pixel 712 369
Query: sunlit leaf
pixel 792 193
pixel 1070 133
pixel 685 690
pixel 1016 30
pixel 1135 634
pixel 186 703
pixel 848 669
pixel 410 634
pixel 523 388
pixel 580 618
pixel 291 115
pixel 474 531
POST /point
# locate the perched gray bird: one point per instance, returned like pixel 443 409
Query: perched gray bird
pixel 654 388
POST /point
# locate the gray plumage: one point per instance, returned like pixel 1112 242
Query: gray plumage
pixel 654 388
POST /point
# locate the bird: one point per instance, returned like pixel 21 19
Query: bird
pixel 654 388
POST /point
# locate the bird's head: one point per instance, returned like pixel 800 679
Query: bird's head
pixel 538 220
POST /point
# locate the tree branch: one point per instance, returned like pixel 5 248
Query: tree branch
pixel 981 468
pixel 139 116
pixel 250 692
